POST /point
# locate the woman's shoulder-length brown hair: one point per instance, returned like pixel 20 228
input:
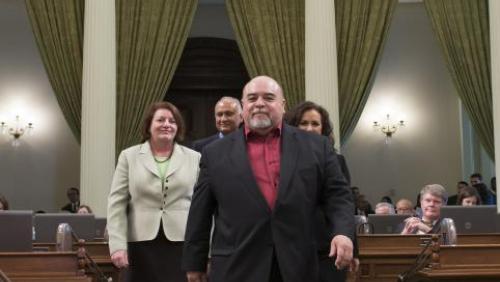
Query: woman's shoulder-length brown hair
pixel 148 118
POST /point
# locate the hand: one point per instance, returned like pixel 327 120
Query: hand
pixel 195 276
pixel 354 266
pixel 341 246
pixel 120 258
pixel 413 224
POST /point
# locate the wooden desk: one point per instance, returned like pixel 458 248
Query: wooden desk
pixel 384 256
pixel 98 251
pixel 473 262
pixel 32 266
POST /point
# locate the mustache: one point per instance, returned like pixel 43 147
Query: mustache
pixel 260 112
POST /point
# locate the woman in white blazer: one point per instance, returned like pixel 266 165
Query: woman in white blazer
pixel 150 197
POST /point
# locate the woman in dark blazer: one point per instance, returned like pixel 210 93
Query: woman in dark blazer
pixel 311 117
pixel 150 198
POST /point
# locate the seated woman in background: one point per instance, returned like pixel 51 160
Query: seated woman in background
pixel 311 117
pixel 432 198
pixel 4 204
pixel 468 196
pixel 84 209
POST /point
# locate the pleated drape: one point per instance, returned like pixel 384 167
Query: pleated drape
pixel 151 35
pixel 362 27
pixel 58 29
pixel 270 35
pixel 462 28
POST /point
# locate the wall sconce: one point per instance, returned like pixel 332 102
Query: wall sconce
pixel 388 127
pixel 16 131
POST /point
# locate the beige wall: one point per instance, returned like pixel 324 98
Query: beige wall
pixel 412 82
pixel 36 174
pixel 411 72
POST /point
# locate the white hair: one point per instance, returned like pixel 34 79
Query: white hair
pixel 233 101
pixel 385 205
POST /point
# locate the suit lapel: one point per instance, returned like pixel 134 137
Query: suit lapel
pixel 241 165
pixel 175 160
pixel 147 159
pixel 288 161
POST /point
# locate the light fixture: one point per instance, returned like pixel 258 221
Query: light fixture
pixel 16 130
pixel 388 127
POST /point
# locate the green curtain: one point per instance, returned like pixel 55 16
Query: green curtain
pixel 58 29
pixel 270 35
pixel 150 39
pixel 362 27
pixel 462 28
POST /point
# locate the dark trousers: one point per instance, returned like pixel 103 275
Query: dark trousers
pixel 275 275
pixel 328 272
pixel 158 260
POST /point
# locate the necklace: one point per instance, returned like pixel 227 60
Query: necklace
pixel 161 159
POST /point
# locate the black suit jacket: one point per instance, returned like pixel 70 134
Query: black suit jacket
pixel 247 232
pixel 198 145
pixel 72 208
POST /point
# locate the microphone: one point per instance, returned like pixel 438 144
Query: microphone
pixel 362 225
pixel 448 232
pixel 64 243
pixel 421 261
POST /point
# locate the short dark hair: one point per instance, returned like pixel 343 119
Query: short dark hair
pixel 463 182
pixel 148 118
pixel 294 116
pixel 4 202
pixel 476 175
pixel 468 192
pixel 74 189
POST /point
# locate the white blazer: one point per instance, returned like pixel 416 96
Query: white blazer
pixel 138 202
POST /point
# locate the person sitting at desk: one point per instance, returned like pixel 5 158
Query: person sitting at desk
pixel 432 198
pixel 4 204
pixel 468 196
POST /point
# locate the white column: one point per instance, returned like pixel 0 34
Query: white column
pixel 321 59
pixel 98 104
pixel 494 10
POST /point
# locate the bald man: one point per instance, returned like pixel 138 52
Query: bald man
pixel 262 186
pixel 227 119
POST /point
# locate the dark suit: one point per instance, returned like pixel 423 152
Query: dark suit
pixel 71 207
pixel 247 232
pixel 327 270
pixel 198 145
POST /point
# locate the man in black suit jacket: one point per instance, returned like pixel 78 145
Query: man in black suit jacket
pixel 262 185
pixel 227 119
pixel 74 200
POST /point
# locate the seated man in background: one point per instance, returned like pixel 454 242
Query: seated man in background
pixel 74 200
pixel 453 200
pixel 404 206
pixel 384 208
pixel 432 198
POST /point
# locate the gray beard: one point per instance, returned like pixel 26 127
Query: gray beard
pixel 260 123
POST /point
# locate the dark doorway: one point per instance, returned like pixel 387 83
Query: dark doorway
pixel 209 69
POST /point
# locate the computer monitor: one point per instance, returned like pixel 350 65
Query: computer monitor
pixel 497 221
pixel 17 231
pixel 100 227
pixel 83 225
pixel 386 223
pixel 472 219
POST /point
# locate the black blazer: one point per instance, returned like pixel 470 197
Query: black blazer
pixel 71 208
pixel 247 232
pixel 198 145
